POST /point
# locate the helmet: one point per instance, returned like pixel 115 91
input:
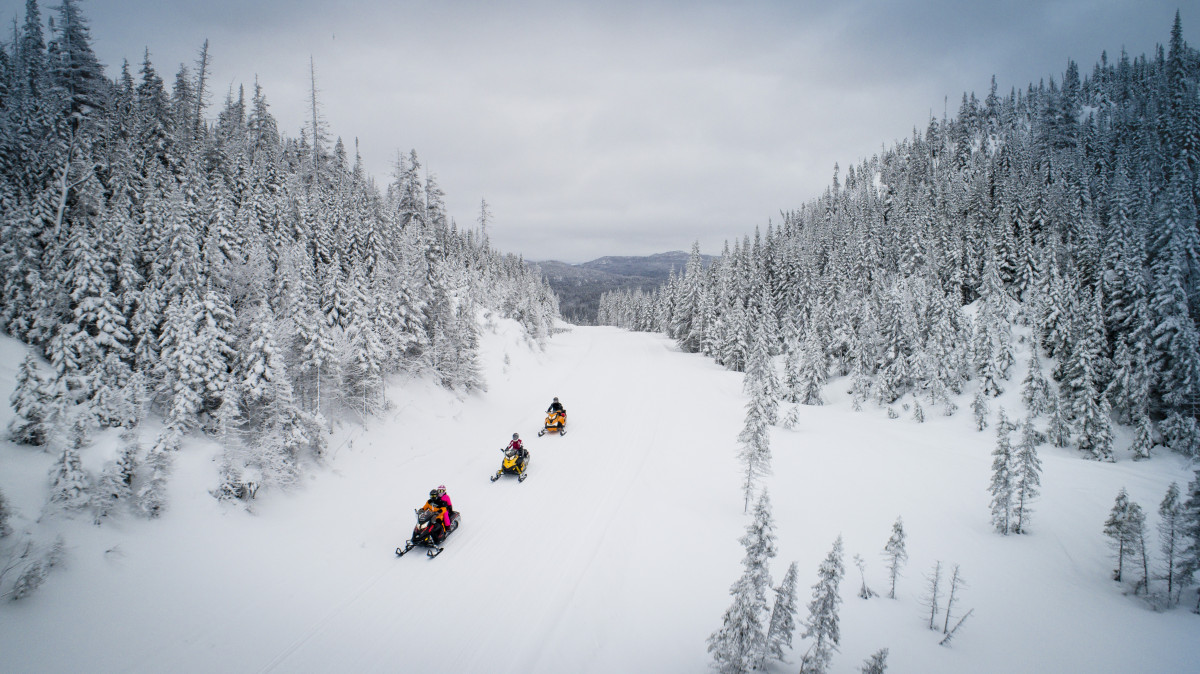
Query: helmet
pixel 556 399
pixel 515 436
pixel 437 491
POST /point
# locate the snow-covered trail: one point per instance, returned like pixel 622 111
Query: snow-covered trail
pixel 530 579
pixel 587 565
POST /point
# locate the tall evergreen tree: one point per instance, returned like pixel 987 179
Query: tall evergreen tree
pixel 823 624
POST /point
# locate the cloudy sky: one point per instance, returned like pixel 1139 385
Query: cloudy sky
pixel 622 127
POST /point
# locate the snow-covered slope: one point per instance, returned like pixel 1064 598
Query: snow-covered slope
pixel 615 555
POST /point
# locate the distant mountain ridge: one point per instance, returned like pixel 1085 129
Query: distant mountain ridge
pixel 579 286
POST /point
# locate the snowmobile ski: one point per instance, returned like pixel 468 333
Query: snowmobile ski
pixel 522 476
pixel 434 552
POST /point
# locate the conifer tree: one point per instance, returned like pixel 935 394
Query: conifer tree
pixel 1170 530
pixel 877 663
pixel 783 615
pixel 740 645
pixel 34 405
pixel 1003 485
pixel 895 554
pixel 1027 477
pixel 823 624
pixel 1189 525
pixel 70 484
pixel 933 593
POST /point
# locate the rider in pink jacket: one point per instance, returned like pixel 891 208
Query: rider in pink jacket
pixel 438 498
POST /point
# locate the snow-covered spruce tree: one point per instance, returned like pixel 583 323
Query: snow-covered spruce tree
pixel 1126 526
pixel 70 484
pixel 1035 388
pixel 956 581
pixel 811 372
pixel 933 593
pixel 863 591
pixel 877 663
pixel 1003 484
pixel 755 439
pixel 980 408
pixel 1058 431
pixel 1170 539
pixel 38 564
pixel 115 485
pixel 1026 477
pixel 1190 535
pixel 823 621
pixel 895 554
pixel 5 516
pixel 783 615
pixel 34 405
pixel 740 645
pixel 152 495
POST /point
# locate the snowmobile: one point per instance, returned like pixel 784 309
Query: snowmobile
pixel 556 422
pixel 430 531
pixel 510 465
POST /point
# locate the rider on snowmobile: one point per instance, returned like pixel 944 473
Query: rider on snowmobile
pixel 517 446
pixel 438 498
pixel 556 407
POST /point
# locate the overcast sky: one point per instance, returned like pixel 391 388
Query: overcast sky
pixel 622 127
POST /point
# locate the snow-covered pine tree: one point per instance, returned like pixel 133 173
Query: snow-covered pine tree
pixel 895 554
pixel 740 645
pixel 1035 388
pixel 1170 540
pixel 70 484
pixel 933 593
pixel 152 495
pixel 5 516
pixel 1190 535
pixel 1058 432
pixel 755 439
pixel 956 581
pixel 115 485
pixel 877 663
pixel 783 615
pixel 1003 484
pixel 863 591
pixel 35 409
pixel 980 408
pixel 812 371
pixel 1126 526
pixel 1026 477
pixel 823 624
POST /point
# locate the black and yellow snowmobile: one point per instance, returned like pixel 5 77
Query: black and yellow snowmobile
pixel 430 531
pixel 512 465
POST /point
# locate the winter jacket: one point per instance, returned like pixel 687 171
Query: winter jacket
pixel 555 407
pixel 442 501
pixel 517 445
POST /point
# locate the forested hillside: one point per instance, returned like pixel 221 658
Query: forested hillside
pixel 1069 206
pixel 220 274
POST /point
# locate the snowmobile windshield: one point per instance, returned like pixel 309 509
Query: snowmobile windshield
pixel 423 516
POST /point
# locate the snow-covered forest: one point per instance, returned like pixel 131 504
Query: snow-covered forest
pixel 1069 207
pixel 220 275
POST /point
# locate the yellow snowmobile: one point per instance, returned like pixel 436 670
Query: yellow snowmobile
pixel 512 465
pixel 556 422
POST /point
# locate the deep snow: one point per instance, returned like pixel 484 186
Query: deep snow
pixel 615 555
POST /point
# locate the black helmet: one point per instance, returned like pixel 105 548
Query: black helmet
pixel 555 398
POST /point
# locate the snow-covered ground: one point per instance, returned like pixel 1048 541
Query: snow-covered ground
pixel 616 555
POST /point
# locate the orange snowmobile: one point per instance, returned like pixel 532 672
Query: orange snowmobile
pixel 556 422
